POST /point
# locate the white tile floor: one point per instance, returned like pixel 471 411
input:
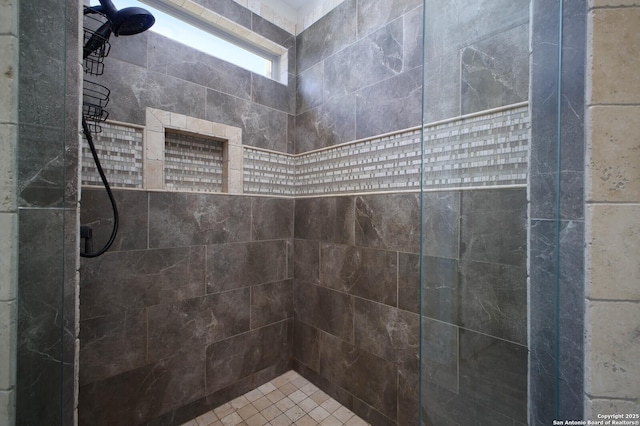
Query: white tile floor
pixel 289 399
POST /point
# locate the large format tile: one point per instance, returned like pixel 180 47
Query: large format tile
pixel 380 53
pixel 238 265
pixel 328 219
pixel 188 219
pixel 326 309
pixel 306 345
pixel 493 226
pixel 440 224
pixel 389 222
pixel 112 344
pixel 331 123
pixel 367 273
pixel 126 280
pixel 373 14
pixel 192 324
pixel 271 303
pixel 387 332
pixel 136 396
pixel 494 373
pixel 328 36
pixel 262 126
pixel 398 99
pixel 170 57
pixel 495 70
pixel 439 354
pixel 368 377
pixel 133 216
pixel 306 261
pixel 235 358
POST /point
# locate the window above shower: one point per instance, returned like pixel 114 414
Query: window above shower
pixel 195 26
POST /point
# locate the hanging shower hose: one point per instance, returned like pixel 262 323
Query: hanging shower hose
pixel 87 134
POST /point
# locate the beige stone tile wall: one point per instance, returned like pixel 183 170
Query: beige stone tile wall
pixel 612 346
pixel 8 212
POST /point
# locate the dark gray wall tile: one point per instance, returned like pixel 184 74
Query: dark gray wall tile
pixel 387 332
pixel 41 166
pixel 413 45
pixel 329 35
pixel 274 94
pixel 441 87
pixel 118 281
pixel 112 344
pixel 175 59
pixel 441 407
pixel 190 325
pixel 368 377
pixel 329 124
pixel 373 14
pixel 367 273
pixel 229 9
pixel 380 53
pixel 181 219
pixel 245 264
pixel 309 88
pixel 272 32
pixel 262 126
pixel 128 85
pixel 441 224
pixel 40 350
pixel 327 219
pixel 408 391
pixel 133 215
pixel 495 70
pixel 398 99
pixel 441 289
pixel 271 303
pixel 494 373
pixel 271 218
pixel 139 395
pixel 235 358
pixel 493 226
pixel 326 309
pixel 307 261
pixel 439 354
pixel 388 221
pixel 493 300
pixel 132 49
pixel 306 345
pixel 409 282
pixel 449 25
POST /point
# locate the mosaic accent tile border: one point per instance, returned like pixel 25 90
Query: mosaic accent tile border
pixel 479 150
pixel 192 163
pixel 119 149
pixel 484 150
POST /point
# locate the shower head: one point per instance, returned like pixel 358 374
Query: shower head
pixel 127 21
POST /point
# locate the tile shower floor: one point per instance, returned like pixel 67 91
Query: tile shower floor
pixel 289 399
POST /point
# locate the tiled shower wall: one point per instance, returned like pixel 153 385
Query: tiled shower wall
pixel 192 306
pixel 345 306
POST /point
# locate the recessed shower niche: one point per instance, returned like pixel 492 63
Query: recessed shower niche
pixel 173 152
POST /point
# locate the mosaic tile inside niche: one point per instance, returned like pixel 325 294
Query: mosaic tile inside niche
pixel 192 163
pixel 120 151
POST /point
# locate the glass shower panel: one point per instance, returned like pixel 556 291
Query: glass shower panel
pixel 474 354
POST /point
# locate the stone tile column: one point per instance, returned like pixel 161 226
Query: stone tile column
pixel 612 367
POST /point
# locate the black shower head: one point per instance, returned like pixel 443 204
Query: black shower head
pixel 130 20
pixel 127 21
